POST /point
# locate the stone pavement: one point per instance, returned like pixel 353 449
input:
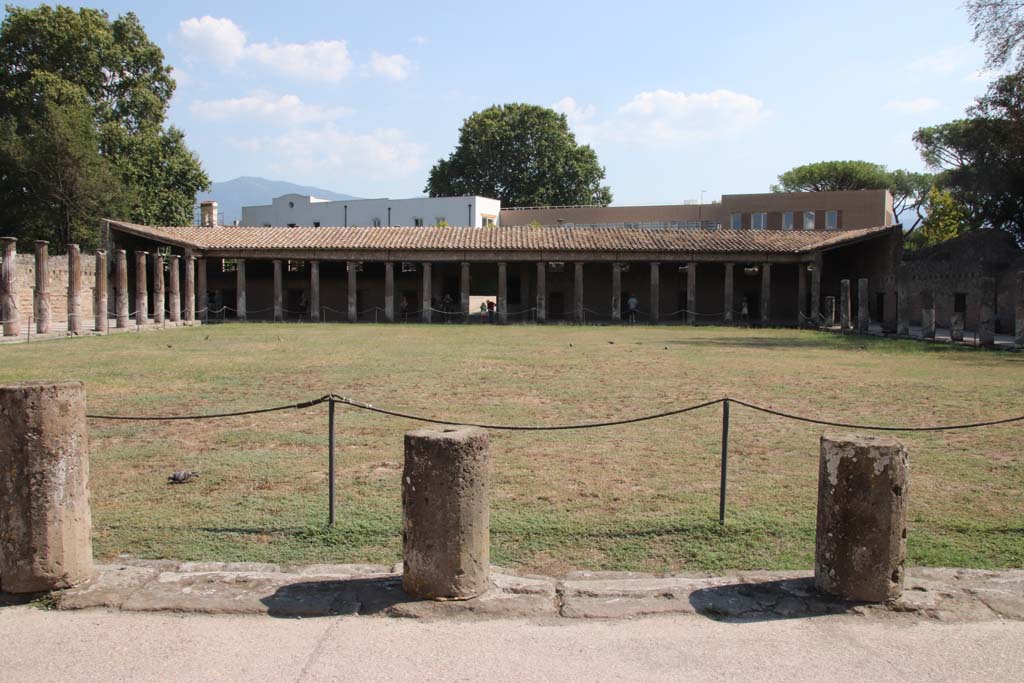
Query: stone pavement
pixel 940 595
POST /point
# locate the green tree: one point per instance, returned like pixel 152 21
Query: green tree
pixel 524 155
pixel 999 24
pixel 980 158
pixel 115 81
pixel 945 219
pixel 909 189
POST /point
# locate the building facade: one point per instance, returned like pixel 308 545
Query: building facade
pixel 292 210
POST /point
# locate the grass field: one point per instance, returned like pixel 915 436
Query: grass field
pixel 640 497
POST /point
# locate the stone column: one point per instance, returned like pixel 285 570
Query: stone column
pixel 446 513
pixel 502 292
pixel 190 287
pixel 863 314
pixel 278 292
pixel 830 311
pixel 577 292
pixel 542 291
pixel 352 290
pixel 389 292
pixel 1019 313
pixel 655 304
pixel 845 312
pixel 464 290
pixel 141 293
pixel 956 326
pixel 99 306
pixel 729 296
pixel 801 295
pixel 987 313
pixel 928 314
pixel 861 538
pixel 766 293
pixel 41 293
pixel 314 291
pixel 816 293
pixel 616 292
pixel 691 293
pixel 121 288
pixel 202 295
pixel 45 522
pixel 902 307
pixel 9 288
pixel 174 287
pixel 158 288
pixel 241 300
pixel 75 289
pixel 425 305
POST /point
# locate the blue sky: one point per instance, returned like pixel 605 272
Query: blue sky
pixel 676 97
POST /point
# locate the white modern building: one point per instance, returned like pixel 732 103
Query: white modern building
pixel 295 210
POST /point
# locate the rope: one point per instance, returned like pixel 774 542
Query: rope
pixel 293 406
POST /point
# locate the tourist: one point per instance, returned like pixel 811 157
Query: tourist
pixel 633 308
pixel 483 311
pixel 404 307
pixel 744 311
pixel 490 311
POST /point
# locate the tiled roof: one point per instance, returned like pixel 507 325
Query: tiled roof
pixel 519 238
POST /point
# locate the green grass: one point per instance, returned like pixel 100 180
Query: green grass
pixel 638 497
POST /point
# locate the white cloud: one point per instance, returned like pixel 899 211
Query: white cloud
pixel 284 109
pixel 225 43
pixel 944 61
pixel 573 111
pixel 396 67
pixel 419 39
pixel 913 106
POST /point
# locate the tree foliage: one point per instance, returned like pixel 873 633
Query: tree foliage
pixel 909 189
pixel 945 219
pixel 999 25
pixel 83 101
pixel 522 154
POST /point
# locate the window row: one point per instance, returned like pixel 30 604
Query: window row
pixel 808 220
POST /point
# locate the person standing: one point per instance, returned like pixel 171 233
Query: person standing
pixel 490 311
pixel 633 308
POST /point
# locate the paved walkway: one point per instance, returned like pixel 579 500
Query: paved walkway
pixel 59 330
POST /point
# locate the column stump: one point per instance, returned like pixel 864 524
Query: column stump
pixel 45 522
pixel 861 538
pixel 446 513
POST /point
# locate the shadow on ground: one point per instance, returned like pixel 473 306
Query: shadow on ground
pixel 369 595
pixel 766 601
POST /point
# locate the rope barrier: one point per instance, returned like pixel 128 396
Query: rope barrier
pixel 209 416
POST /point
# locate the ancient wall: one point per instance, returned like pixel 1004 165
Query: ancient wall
pixel 58 286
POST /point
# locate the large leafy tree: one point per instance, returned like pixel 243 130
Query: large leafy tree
pixel 909 189
pixel 102 89
pixel 945 219
pixel 524 155
pixel 999 25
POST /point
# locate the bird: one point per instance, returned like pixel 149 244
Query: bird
pixel 570 344
pixel 206 338
pixel 182 477
pixel 611 342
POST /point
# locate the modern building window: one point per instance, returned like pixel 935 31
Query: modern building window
pixel 787 220
pixel 292 225
pixel 808 220
pixel 376 222
pixel 295 266
pixel 440 222
pixel 759 220
pixel 417 222
pixel 831 220
pixel 487 222
pixel 316 224
pixel 735 221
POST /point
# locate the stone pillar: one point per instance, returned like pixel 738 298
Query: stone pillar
pixel 314 291
pixel 174 287
pixel 502 292
pixel 389 292
pixel 1019 313
pixel 766 293
pixel 45 522
pixel 278 292
pixel 41 293
pixel 801 295
pixel 655 304
pixel 241 300
pixel 202 295
pixel 863 314
pixel 616 292
pixel 902 307
pixel 987 313
pixel 190 287
pixel 351 268
pixel 99 305
pixel 158 288
pixel 956 326
pixel 464 291
pixel 577 292
pixel 928 314
pixel 426 315
pixel 9 288
pixel 845 322
pixel 75 289
pixel 729 296
pixel 542 291
pixel 861 539
pixel 446 513
pixel 691 293
pixel 815 308
pixel 141 294
pixel 121 288
pixel 830 311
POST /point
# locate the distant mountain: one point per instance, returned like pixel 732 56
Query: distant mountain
pixel 232 195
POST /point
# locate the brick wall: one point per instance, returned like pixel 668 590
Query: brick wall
pixel 58 286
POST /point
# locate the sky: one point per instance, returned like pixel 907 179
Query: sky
pixel 680 100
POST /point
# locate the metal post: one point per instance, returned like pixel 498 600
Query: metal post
pixel 330 463
pixel 725 460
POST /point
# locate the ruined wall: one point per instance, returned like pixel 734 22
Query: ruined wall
pixel 58 286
